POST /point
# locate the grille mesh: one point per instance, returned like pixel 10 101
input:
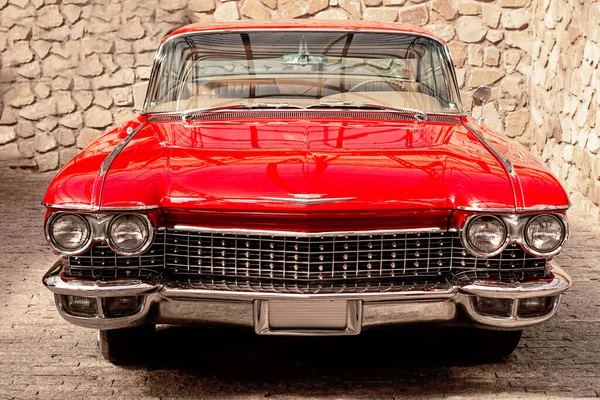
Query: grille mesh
pixel 289 264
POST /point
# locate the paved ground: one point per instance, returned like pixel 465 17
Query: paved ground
pixel 41 356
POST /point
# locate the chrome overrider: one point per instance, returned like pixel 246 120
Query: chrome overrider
pixel 170 303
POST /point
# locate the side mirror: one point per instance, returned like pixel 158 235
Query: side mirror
pixel 481 97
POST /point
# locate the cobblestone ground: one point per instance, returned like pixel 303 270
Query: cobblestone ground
pixel 42 356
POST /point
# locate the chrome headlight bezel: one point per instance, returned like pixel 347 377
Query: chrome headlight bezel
pixel 137 251
pixel 476 252
pixel 561 220
pixel 516 225
pixel 55 246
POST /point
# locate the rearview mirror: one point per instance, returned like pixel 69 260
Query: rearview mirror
pixel 303 59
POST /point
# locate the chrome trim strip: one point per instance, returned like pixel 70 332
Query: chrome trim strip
pixel 308 201
pixel 160 54
pixel 559 283
pixel 87 207
pixel 98 187
pixel 503 159
pixel 188 228
pixel 510 210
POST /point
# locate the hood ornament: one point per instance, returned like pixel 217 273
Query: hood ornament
pixel 308 198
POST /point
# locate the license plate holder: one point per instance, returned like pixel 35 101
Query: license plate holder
pixel 307 317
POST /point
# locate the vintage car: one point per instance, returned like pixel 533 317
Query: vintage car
pixel 305 178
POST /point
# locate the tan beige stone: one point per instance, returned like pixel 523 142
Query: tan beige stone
pixel 44 142
pixel 332 14
pixel 272 4
pixel 517 122
pixel 470 29
pixel 73 121
pixel 132 30
pixel 201 5
pixel 39 110
pixel 416 15
pixel 469 8
pixel 49 17
pixel 352 7
pixel 97 117
pixel 47 161
pixel 120 78
pixel 445 8
pixel 491 15
pixel 255 9
pixel 516 19
pixel 71 12
pixel 25 129
pixel 18 54
pixel 491 56
pixel 372 3
pixel 494 36
pixel 227 12
pixel 459 55
pixel 90 66
pixel 47 124
pixel 20 95
pixel 103 98
pixel 475 55
pixel 443 30
pixel 7 134
pixel 381 14
pixel 484 76
pixel 514 3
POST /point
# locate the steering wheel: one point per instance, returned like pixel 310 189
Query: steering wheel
pixel 399 85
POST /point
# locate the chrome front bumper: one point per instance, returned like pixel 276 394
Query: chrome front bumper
pixel 171 304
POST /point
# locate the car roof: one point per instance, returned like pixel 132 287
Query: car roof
pixel 303 24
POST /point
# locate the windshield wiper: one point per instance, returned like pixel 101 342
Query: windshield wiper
pixel 420 115
pixel 237 106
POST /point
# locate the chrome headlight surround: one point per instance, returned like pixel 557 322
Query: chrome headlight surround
pixel 464 236
pixel 137 251
pixel 561 219
pixel 98 225
pixel 68 252
pixel 516 225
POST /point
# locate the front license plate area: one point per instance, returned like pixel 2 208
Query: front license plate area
pixel 307 317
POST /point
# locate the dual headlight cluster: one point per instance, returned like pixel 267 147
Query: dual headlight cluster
pixel 542 235
pixel 126 234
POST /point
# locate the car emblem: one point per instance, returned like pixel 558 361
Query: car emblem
pixel 308 198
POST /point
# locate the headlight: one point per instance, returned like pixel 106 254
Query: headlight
pixel 129 234
pixel 68 233
pixel 545 233
pixel 485 235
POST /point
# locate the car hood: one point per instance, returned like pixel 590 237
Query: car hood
pixel 293 165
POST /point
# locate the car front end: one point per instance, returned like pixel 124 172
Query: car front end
pixel 323 192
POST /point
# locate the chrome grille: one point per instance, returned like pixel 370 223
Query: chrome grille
pixel 381 262
pixel 100 262
pixel 322 264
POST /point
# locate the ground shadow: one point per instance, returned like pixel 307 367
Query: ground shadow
pixel 231 361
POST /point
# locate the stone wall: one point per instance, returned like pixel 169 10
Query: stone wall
pixel 565 83
pixel 71 69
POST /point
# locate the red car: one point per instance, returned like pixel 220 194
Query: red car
pixel 305 178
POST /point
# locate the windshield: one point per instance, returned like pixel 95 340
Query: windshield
pixel 302 68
